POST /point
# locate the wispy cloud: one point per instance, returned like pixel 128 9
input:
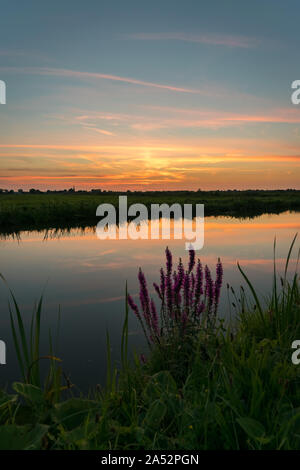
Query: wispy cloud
pixel 217 118
pixel 99 131
pixel 205 38
pixel 95 75
pixel 164 117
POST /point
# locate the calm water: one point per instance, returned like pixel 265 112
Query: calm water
pixel 85 277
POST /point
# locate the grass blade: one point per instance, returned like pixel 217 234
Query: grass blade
pixel 252 291
pixel 289 255
pixel 124 345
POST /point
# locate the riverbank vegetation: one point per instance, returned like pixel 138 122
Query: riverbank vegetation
pixel 37 211
pixel 203 383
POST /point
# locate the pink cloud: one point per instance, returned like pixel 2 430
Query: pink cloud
pixel 94 75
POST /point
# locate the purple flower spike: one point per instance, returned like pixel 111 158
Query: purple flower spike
pixel 183 295
pixel 218 283
pixel 192 260
pixel 209 287
pixel 169 281
pixel 200 309
pixel 145 308
pixel 154 318
pixel 157 290
pixel 143 285
pixel 198 283
pixel 180 273
pixel 162 282
pixel 169 261
pixel 169 295
pixel 144 296
pixel 192 288
pixel 186 288
pixel 133 306
pixel 143 359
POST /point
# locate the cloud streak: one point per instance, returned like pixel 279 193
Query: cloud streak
pixel 95 75
pixel 209 39
pixel 159 117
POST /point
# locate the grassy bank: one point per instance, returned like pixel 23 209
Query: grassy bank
pixel 62 210
pixel 200 386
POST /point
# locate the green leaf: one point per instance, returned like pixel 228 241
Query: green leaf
pixel 252 427
pixel 81 435
pixel 14 437
pixel 155 414
pixel 6 399
pixel 160 383
pixel 265 440
pixel 29 392
pixel 73 412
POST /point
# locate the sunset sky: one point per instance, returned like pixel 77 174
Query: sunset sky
pixel 149 95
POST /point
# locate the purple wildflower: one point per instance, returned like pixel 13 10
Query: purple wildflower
pixel 144 296
pixel 200 308
pixel 169 261
pixel 180 273
pixel 143 283
pixel 143 359
pixel 218 283
pixel 192 288
pixel 145 308
pixel 181 295
pixel 169 281
pixel 157 290
pixel 135 309
pixel 133 306
pixel 186 288
pixel 154 318
pixel 192 260
pixel 209 287
pixel 162 282
pixel 198 283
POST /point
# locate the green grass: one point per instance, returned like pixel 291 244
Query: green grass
pixel 236 389
pixel 46 210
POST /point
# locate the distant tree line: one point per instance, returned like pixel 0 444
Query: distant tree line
pixel 128 191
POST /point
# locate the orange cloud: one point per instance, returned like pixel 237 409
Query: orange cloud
pixel 153 165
